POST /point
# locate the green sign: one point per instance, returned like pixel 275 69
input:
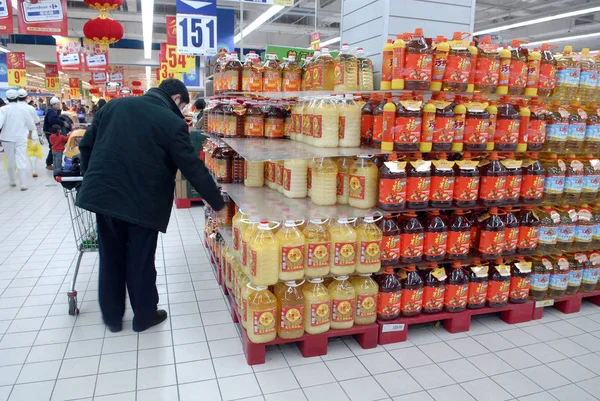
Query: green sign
pixel 301 53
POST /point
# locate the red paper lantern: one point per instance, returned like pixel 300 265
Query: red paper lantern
pixel 94 91
pixel 137 92
pixel 103 30
pixel 136 83
pixel 104 5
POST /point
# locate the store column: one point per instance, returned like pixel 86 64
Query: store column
pixel 369 23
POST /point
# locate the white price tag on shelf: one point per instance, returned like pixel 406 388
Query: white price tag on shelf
pixel 196 35
pixel 544 303
pixel 393 327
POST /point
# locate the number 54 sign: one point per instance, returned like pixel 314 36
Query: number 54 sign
pixel 196 35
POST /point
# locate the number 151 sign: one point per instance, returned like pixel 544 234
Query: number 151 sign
pixel 196 34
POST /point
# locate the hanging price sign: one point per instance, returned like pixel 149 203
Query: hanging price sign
pixel 197 27
pixel 17 76
pixel 74 93
pixel 177 62
pixel 52 84
pixel 164 73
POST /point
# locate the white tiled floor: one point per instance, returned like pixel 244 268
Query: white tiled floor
pixel 197 354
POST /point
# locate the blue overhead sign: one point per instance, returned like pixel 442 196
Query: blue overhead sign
pixel 197 7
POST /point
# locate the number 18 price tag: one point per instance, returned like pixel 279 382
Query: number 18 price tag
pixel 196 34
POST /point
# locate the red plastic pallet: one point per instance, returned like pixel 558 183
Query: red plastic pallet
pixel 309 344
pixel 186 203
pixel 396 330
pixel 566 304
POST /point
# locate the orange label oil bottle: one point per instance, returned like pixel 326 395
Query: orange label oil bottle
pixel 504 75
pixel 387 65
pixel 440 59
pixel 389 119
pixel 534 60
pixel 399 51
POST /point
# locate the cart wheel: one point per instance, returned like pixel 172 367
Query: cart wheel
pixel 73 310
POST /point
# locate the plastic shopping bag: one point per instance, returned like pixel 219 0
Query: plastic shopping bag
pixel 6 164
pixel 34 149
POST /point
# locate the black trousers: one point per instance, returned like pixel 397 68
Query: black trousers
pixel 49 158
pixel 126 259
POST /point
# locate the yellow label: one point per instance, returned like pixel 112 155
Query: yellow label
pixel 524 267
pixel 17 78
pixel 480 271
pixel 439 273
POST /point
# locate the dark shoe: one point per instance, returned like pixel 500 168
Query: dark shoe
pixel 115 329
pixel 159 317
pixel 50 167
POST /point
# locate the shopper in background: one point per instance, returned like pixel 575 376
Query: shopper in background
pixel 16 127
pixel 52 118
pixel 58 141
pixel 130 155
pixel 30 109
pixel 98 106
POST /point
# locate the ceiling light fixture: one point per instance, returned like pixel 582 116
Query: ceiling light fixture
pixel 564 39
pixel 264 17
pixel 4 49
pixel 147 25
pixel 331 41
pixel 538 20
pixel 37 63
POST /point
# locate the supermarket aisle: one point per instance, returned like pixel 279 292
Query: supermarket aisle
pixel 45 354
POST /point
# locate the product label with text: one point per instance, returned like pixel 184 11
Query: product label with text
pixel 320 313
pixel 263 322
pixel 318 255
pixel 291 317
pixel 292 258
pixel 370 252
pixel 342 310
pixel 345 254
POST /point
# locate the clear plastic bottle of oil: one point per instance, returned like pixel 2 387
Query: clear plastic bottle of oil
pixel 511 232
pixel 588 77
pixel 589 278
pixel 419 65
pixel 323 71
pixel 559 277
pixel 412 236
pixel 436 237
pixel 317 307
pixel 532 186
pixel 584 229
pixel 591 179
pixel 498 284
pixel 365 71
pixel 548 229
pixel 343 180
pixel 577 127
pixel 567 77
pixel 262 315
pixel 254 174
pixel 573 181
pixel 566 229
pixel 547 79
pixel 324 182
pixel 412 291
pixel 345 70
pixel 350 123
pixel 554 182
pixel 252 80
pixel 363 183
pixel 343 247
pixel 318 248
pixel 478 284
pixel 290 310
pixel 368 240
pixel 264 252
pixel 458 66
pixel 390 248
pixel 293 250
pixel 367 292
pixel 541 268
pixel 434 285
pixel 519 281
pixel 390 295
pixel 492 181
pixel 325 124
pixel 295 176
pixel 528 231
pixel 291 75
pixel 491 235
pixel 557 128
pixel 343 302
pixel 248 230
pixel 457 288
pixel 271 74
pixel 592 128
pixel 487 67
pixel 518 68
pixel 392 184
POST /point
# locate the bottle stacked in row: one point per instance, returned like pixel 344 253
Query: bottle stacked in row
pixel 412 62
pixel 568 229
pixel 349 71
pixel 394 185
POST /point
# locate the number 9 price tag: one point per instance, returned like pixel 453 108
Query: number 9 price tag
pixel 196 35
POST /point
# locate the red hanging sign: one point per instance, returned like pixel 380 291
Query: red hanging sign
pixel 171 30
pixel 95 56
pixel 42 17
pixel 6 18
pixel 52 80
pixel 68 54
pixel 116 73
pixel 17 75
pixel 98 78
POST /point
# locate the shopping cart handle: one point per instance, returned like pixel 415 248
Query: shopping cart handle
pixel 67 179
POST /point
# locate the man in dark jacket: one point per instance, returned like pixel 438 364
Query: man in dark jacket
pixel 130 155
pixel 52 118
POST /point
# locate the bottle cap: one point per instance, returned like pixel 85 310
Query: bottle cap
pixel 418 31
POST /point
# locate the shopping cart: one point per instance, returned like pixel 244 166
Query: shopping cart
pixel 84 229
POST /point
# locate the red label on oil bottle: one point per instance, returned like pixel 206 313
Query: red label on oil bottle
pixel 270 171
pixel 273 128
pixel 236 239
pixel 320 313
pixel 342 127
pixel 433 297
pixel 511 238
pixel 491 242
pixel 343 310
pixel 533 73
pixel 392 191
pixel 338 74
pixel 407 130
pixel 504 74
pixel 389 303
pixel 492 188
pixel 466 188
pixel 317 126
pixel 476 131
pixel 477 292
pixel 513 187
pixel 271 81
pixel 287 178
pixel 309 178
pixel 253 262
pixel 497 291
pixel 442 188
pixel 318 255
pixel 344 253
pixel 279 176
pixel 244 252
pixel 291 317
pixel 537 131
pixel 366 126
pixel 366 305
pixel 418 189
pixel 435 243
pixel 518 74
pixel 456 295
pixel 263 322
pixel 398 63
pixel 507 131
pixel 411 245
pixel 528 237
pixel 317 77
pixel 458 242
pixel 457 69
pixel 486 72
pixel 370 252
pixel 533 186
pixel 519 287
pixel 340 184
pixel 387 66
pixel 547 78
pixel 254 126
pixel 291 81
pixel 443 131
pixel 292 258
pixel 378 127
pixel 412 300
pixel 390 247
pixel 418 67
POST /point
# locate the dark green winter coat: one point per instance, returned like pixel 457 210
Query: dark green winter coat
pixel 130 155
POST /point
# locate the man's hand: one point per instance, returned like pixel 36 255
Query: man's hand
pixel 30 136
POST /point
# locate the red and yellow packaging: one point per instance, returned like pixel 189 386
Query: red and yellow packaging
pixel 390 246
pixel 318 254
pixel 455 295
pixel 291 317
pixel 435 244
pixel 412 300
pixel 342 310
pixel 292 258
pixel 389 303
pixel 411 245
pixel 344 254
